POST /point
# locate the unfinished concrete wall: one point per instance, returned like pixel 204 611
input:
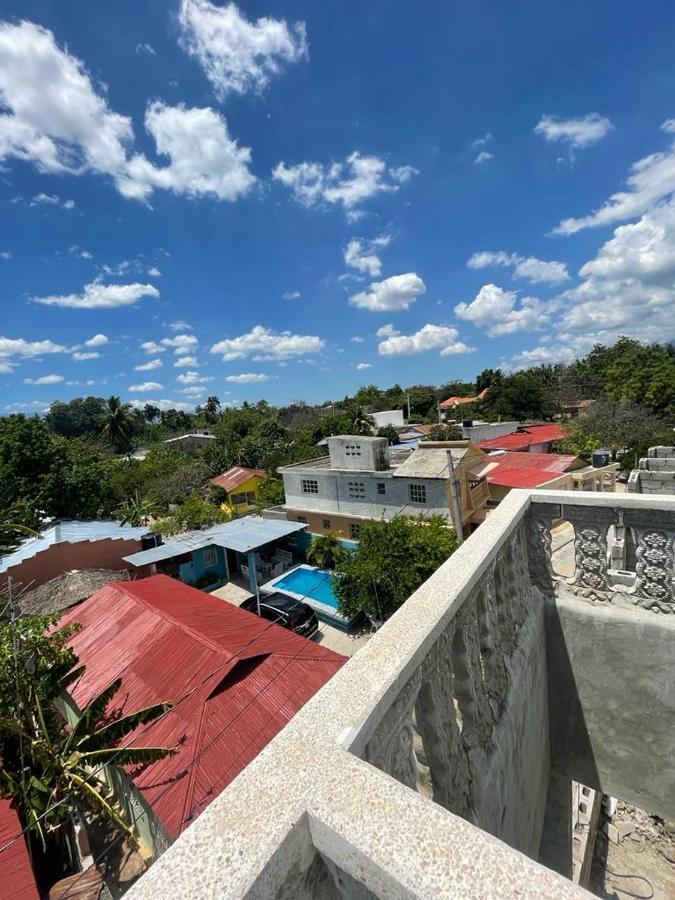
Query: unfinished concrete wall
pixel 358 454
pixel 611 675
pixel 655 473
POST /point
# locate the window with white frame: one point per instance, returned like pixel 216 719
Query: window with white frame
pixel 310 486
pixel 210 557
pixel 417 493
pixel 356 490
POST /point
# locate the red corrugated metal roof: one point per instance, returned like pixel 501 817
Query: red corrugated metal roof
pixel 244 679
pixel 525 437
pixel 235 477
pixel 527 470
pixel 16 873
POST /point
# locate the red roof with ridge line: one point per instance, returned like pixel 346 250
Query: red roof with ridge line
pixel 235 477
pixel 525 437
pixel 235 680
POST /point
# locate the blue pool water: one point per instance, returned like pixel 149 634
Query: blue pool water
pixel 314 583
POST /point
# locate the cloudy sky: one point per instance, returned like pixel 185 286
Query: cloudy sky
pixel 289 199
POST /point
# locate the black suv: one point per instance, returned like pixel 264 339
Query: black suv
pixel 285 611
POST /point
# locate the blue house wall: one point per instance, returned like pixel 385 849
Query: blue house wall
pixel 196 569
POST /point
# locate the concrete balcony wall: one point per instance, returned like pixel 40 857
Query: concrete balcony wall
pixel 422 768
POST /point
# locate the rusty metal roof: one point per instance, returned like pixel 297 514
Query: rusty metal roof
pixel 16 873
pixel 525 437
pixel 235 680
pixel 235 477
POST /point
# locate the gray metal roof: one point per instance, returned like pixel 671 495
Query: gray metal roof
pixel 70 532
pixel 242 535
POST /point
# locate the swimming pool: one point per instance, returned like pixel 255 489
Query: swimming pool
pixel 315 588
pixel 310 584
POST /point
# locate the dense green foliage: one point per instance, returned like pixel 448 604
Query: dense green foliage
pixel 391 561
pixel 326 551
pixel 52 771
pixel 77 462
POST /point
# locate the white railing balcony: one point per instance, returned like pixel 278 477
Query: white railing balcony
pixel 423 768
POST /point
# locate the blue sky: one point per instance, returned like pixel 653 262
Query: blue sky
pixel 290 199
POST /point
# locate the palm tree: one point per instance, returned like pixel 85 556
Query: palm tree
pixel 11 532
pixel 118 424
pixel 326 552
pixel 362 422
pixel 211 409
pixel 63 770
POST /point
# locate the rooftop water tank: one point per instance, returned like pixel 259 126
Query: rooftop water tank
pixel 600 458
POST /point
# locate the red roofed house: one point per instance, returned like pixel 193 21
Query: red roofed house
pixel 527 439
pixel 241 486
pixel 553 471
pixel 16 872
pixel 235 680
pixel 452 402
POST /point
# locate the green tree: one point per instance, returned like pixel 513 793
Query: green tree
pixel 616 426
pixel 326 551
pixel 362 423
pixel 135 512
pixel 211 409
pixel 270 493
pixel 76 418
pixel 445 433
pixel 53 772
pixel 388 432
pixel 522 396
pixel 118 424
pixel 391 561
pixel 192 514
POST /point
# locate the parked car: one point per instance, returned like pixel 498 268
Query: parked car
pixel 285 611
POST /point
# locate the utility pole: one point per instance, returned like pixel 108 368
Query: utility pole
pixel 455 505
pixel 407 396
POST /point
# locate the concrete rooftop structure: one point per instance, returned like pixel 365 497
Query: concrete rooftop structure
pixel 431 765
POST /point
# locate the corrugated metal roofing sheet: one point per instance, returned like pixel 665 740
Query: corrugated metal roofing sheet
pixel 16 873
pixel 241 535
pixel 238 678
pixel 525 437
pixel 527 469
pixel 235 477
pixel 70 532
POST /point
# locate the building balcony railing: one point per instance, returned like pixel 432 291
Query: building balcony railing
pixel 424 767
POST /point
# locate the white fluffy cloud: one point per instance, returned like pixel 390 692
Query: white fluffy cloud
pixel 180 405
pixel 98 340
pixel 291 295
pixel 182 344
pixel 483 157
pixel 193 378
pixel 43 199
pixel 248 378
pixel 627 288
pixel 44 379
pixel 83 355
pixel 12 347
pixel 429 337
pixel 152 347
pixel 360 366
pixel 267 343
pixel 237 55
pixel 149 366
pixel 146 386
pixel 395 293
pixel 362 256
pixel 651 180
pixel 54 117
pixel 577 133
pixel 184 362
pixel 204 159
pixel 97 295
pixel 529 267
pixel 180 325
pixel 498 311
pixel 350 183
